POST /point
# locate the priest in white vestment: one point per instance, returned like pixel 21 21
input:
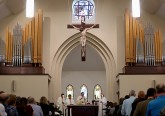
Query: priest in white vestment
pixel 61 103
pixel 102 105
pixel 69 100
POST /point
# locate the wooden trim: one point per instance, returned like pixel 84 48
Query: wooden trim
pixel 9 70
pixel 33 37
pixel 79 26
pixel 127 53
pixel 40 34
pixel 144 70
pixel 35 57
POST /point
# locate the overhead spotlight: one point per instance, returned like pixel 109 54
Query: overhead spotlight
pixel 29 8
pixel 135 8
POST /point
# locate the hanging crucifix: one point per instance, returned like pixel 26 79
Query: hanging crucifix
pixel 83 28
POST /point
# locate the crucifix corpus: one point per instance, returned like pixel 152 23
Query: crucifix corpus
pixel 83 28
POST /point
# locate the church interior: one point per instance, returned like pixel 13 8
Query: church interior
pixel 42 55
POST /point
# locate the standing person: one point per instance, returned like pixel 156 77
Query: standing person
pixel 24 109
pixel 81 99
pixel 2 108
pixel 61 103
pixel 127 104
pixel 102 104
pixel 37 111
pixel 154 107
pixel 142 106
pixel 120 106
pixel 69 100
pixel 45 106
pixel 141 97
pixel 5 98
pixel 11 109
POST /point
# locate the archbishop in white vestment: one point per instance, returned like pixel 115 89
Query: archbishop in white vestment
pixel 81 99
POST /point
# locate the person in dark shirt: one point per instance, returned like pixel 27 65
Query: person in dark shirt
pixel 45 107
pixel 24 109
pixel 141 97
pixel 11 110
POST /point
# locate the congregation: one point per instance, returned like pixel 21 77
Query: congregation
pixel 150 104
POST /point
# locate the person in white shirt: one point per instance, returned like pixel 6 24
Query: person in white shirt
pixel 127 104
pixel 37 111
pixel 61 103
pixel 69 100
pixel 102 104
pixel 81 99
pixel 2 108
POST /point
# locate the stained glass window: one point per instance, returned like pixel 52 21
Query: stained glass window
pixel 83 8
pixel 97 92
pixel 69 90
pixel 85 90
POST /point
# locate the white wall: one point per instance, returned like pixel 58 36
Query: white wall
pixel 78 78
pixel 25 85
pixel 138 82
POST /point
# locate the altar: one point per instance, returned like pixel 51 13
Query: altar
pixel 83 110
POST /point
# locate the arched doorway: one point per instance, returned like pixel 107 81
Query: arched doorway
pixel 64 50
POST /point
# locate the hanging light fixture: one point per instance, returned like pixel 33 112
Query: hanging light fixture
pixel 135 8
pixel 29 8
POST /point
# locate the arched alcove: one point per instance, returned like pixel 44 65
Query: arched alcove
pixel 77 72
pixel 69 45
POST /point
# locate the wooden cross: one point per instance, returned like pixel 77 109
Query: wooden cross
pixel 83 29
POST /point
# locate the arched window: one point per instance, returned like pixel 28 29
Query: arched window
pixel 83 8
pixel 85 90
pixel 69 90
pixel 97 92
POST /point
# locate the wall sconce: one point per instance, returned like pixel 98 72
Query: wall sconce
pixel 13 85
pixel 154 83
